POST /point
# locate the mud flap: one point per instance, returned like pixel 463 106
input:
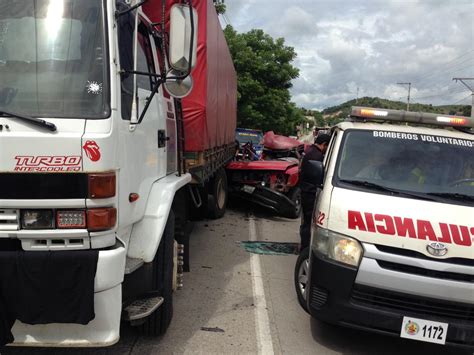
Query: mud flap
pixel 269 198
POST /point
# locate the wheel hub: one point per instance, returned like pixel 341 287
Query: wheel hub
pixel 220 194
pixel 303 277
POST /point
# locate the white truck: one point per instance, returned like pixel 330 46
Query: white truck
pixel 392 246
pixel 104 147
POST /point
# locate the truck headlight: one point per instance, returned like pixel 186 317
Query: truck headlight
pixel 37 219
pixel 337 247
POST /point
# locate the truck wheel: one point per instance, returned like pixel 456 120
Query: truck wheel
pixel 302 278
pixel 158 322
pixel 218 197
pixel 295 196
pixel 182 226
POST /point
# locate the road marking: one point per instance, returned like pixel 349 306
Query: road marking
pixel 262 321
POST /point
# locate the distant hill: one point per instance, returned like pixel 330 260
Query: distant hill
pixel 336 113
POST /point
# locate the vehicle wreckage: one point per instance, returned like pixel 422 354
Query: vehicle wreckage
pixel 271 181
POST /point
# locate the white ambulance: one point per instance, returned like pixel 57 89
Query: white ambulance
pixel 393 227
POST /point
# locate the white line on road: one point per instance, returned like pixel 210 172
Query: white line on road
pixel 262 321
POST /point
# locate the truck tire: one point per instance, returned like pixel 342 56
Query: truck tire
pixel 302 278
pixel 158 322
pixel 219 194
pixel 295 196
pixel 182 225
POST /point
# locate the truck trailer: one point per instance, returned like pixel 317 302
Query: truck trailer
pixel 116 121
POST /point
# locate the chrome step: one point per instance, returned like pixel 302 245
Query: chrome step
pixel 132 264
pixel 142 308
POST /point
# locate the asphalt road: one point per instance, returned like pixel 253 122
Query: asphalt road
pixel 236 302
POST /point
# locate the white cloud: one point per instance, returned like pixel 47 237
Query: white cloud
pixel 296 22
pixel 370 44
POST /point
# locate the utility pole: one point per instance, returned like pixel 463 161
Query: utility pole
pixel 408 100
pixel 357 97
pixel 463 80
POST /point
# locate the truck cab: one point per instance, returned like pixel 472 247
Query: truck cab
pixel 392 236
pixel 92 156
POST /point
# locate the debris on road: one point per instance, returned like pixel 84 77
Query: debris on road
pixel 270 248
pixel 215 329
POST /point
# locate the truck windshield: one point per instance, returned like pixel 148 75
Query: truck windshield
pixel 53 59
pixel 423 164
pixel 248 136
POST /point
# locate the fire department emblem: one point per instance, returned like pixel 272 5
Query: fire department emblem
pixel 92 150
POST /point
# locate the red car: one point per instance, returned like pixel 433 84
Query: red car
pixel 272 181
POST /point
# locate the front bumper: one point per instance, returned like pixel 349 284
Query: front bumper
pixel 334 297
pixel 266 197
pixel 104 329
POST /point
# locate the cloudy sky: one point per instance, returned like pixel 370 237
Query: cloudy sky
pixel 343 45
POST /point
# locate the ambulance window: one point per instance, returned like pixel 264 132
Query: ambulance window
pixel 401 163
pixel 330 150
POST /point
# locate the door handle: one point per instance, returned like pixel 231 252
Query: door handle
pixel 162 138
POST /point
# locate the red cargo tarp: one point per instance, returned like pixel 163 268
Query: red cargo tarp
pixel 277 142
pixel 210 111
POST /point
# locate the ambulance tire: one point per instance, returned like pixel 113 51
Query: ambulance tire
pixel 219 195
pixel 295 197
pixel 302 278
pixel 158 322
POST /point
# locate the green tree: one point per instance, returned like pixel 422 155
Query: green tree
pixel 220 6
pixel 319 119
pixel 264 72
pixel 466 111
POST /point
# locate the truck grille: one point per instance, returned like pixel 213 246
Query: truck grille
pixel 407 304
pixel 9 220
pixel 446 275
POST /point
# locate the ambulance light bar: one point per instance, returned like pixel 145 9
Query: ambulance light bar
pixel 377 114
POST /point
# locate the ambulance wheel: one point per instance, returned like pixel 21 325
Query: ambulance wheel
pixel 302 278
pixel 158 322
pixel 217 201
pixel 295 197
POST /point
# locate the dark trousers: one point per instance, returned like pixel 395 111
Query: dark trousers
pixel 307 202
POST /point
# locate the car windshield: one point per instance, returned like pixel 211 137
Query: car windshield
pixel 416 163
pixel 53 58
pixel 248 136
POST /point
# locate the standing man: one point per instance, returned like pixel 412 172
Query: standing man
pixel 308 191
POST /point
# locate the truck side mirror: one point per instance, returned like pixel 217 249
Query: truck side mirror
pixel 183 37
pixel 313 173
